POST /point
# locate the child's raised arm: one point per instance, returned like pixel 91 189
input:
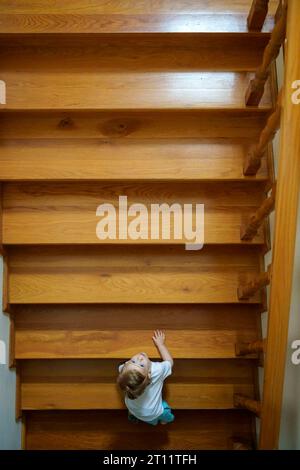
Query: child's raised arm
pixel 159 341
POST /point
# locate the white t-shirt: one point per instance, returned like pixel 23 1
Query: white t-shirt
pixel 148 406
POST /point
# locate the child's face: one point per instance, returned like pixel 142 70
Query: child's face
pixel 140 362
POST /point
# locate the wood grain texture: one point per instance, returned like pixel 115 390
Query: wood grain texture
pixel 139 53
pixel 111 430
pixel 94 371
pixel 61 214
pixel 128 73
pixel 123 7
pixel 106 331
pixel 156 146
pixel 140 274
pixel 115 316
pixel 107 160
pixel 163 102
pixel 124 126
pixel 39 322
pixel 92 384
pixel 284 242
pixel 88 90
pixel 169 146
pixel 130 23
pixel 47 344
pixel 180 395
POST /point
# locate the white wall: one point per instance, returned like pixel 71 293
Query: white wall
pixel 290 420
pixel 10 431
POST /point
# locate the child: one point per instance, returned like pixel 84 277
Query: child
pixel 142 381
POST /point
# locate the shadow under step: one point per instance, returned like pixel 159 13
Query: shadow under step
pixel 94 430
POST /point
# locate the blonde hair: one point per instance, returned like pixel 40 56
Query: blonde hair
pixel 132 382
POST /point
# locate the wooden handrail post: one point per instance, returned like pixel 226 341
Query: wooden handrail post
pixel 256 153
pixel 256 87
pixel 249 230
pixel 241 401
pixel 278 11
pixel 243 349
pixel 286 210
pixel 249 289
pixel 257 15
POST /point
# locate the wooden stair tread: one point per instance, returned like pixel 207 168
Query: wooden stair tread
pixel 32 129
pixel 136 15
pixel 61 331
pixel 237 317
pixel 98 371
pixel 181 395
pixel 133 7
pixel 130 74
pixel 141 274
pixel 51 23
pixel 127 91
pixel 46 344
pixel 110 159
pixel 59 213
pixel 134 288
pixel 239 370
pixel 138 96
pixel 111 430
pixel 92 384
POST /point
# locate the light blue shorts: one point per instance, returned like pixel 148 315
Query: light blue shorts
pixel 166 416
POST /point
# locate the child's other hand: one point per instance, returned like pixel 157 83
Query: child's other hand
pixel 159 337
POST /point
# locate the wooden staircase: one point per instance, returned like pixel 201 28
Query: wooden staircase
pixel 114 99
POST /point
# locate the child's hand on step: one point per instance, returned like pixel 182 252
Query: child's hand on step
pixel 159 337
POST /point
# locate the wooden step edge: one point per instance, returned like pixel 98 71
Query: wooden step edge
pixel 264 180
pixel 40 356
pixel 17 36
pixel 221 398
pixel 263 109
pixel 180 243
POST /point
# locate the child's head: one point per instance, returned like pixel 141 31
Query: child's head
pixel 135 375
